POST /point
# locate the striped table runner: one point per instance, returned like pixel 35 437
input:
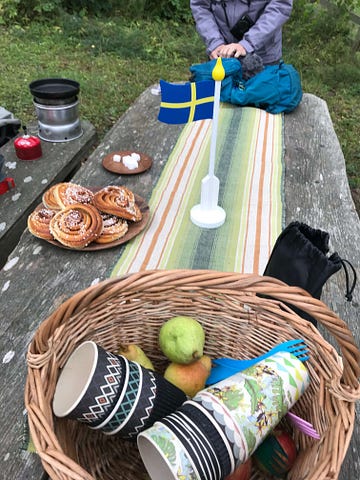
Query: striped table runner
pixel 249 166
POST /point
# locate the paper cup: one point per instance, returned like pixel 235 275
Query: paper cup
pixel 187 441
pixel 219 442
pixel 249 404
pixel 209 435
pixel 202 440
pixel 147 398
pixel 157 398
pixel 126 402
pixel 111 393
pixel 88 384
pixel 164 456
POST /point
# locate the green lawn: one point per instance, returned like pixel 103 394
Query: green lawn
pixel 115 59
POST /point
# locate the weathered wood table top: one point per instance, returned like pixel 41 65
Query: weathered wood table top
pixel 33 178
pixel 38 277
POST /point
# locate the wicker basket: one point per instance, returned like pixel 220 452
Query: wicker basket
pixel 240 320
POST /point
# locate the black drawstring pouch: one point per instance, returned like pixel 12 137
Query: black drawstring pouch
pixel 300 258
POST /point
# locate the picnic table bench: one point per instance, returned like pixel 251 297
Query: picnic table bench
pixel 38 278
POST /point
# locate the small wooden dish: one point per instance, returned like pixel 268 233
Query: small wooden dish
pixel 108 163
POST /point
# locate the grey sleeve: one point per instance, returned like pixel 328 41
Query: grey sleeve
pixel 269 17
pixel 206 24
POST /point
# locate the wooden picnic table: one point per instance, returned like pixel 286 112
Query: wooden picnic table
pixel 38 277
pixel 58 162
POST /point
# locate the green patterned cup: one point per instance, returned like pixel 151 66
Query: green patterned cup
pixel 164 456
pixel 222 425
pixel 249 404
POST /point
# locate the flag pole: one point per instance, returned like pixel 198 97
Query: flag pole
pixel 208 214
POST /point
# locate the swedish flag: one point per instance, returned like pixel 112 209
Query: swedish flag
pixel 187 102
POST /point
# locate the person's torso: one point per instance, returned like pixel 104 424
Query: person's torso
pixel 229 12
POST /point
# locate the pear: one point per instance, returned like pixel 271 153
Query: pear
pixel 206 361
pixel 136 354
pixel 182 339
pixel 191 377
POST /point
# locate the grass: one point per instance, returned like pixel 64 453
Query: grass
pixel 115 59
pixel 112 73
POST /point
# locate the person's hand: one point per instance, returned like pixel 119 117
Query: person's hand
pixel 215 53
pixel 231 50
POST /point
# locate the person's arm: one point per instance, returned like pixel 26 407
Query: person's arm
pixel 274 15
pixel 206 25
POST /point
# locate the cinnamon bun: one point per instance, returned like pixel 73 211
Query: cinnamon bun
pixel 114 228
pixel 67 193
pixel 49 200
pixel 76 225
pixel 39 223
pixel 119 201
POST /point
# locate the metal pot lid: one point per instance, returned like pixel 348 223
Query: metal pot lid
pixel 54 88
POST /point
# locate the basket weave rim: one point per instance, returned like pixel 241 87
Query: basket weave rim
pixel 212 279
pixel 161 282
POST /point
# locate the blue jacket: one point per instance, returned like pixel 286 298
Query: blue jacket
pixel 276 89
pixel 215 18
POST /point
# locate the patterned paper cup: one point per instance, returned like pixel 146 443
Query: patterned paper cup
pixel 203 441
pixel 249 404
pixel 157 399
pixel 126 402
pixel 148 398
pixel 225 422
pixel 89 384
pixel 216 439
pixel 164 456
pixel 186 442
pixel 168 399
pixel 222 425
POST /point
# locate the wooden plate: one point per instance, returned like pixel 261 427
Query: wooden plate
pixel 134 229
pixel 108 163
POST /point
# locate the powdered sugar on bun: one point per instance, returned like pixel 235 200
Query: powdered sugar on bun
pixel 68 193
pixel 119 201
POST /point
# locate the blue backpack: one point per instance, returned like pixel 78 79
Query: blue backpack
pixel 276 88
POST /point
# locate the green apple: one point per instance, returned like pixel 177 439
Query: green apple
pixel 182 339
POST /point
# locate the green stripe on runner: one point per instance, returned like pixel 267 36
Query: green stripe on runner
pixel 192 248
pixel 223 244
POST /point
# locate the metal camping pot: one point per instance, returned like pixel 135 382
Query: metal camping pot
pixel 57 109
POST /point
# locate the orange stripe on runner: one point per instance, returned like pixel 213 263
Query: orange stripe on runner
pixel 169 205
pixel 269 241
pixel 169 177
pixel 246 241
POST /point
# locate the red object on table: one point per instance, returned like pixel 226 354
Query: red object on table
pixel 28 147
pixel 242 472
pixel 6 185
